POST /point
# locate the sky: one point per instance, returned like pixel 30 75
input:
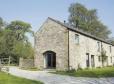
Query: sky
pixel 36 12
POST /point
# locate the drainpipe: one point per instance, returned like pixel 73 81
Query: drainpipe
pixel 101 52
pixel 68 52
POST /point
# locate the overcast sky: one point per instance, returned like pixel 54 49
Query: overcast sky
pixel 36 12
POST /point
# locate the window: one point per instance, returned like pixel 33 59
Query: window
pixel 99 58
pixel 111 59
pixel 98 45
pixel 110 48
pixel 77 38
pixel 92 60
pixel 87 60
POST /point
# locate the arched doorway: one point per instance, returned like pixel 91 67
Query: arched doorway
pixel 49 59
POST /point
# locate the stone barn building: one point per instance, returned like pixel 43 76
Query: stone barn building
pixel 62 47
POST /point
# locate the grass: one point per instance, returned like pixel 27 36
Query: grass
pixel 9 79
pixel 98 72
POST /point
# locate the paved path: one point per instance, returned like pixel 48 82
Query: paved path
pixel 49 78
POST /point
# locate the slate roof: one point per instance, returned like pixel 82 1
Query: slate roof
pixel 80 31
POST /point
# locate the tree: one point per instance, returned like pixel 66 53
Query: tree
pixel 6 50
pixel 20 28
pixel 24 50
pixel 87 20
pixel 21 45
pixel 1 23
pixel 14 42
pixel 1 36
pixel 7 41
pixel 111 40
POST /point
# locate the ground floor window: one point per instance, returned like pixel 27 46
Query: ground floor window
pixel 87 60
pixel 92 61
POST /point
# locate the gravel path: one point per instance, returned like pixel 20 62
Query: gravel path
pixel 49 78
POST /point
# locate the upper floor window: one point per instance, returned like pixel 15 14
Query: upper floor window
pixel 77 38
pixel 98 45
pixel 110 48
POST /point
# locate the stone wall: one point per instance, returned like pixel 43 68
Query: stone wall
pixel 52 37
pixel 26 63
pixel 87 45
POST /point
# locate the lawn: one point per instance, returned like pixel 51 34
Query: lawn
pixel 9 79
pixel 98 72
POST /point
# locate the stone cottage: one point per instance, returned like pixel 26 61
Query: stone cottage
pixel 61 46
